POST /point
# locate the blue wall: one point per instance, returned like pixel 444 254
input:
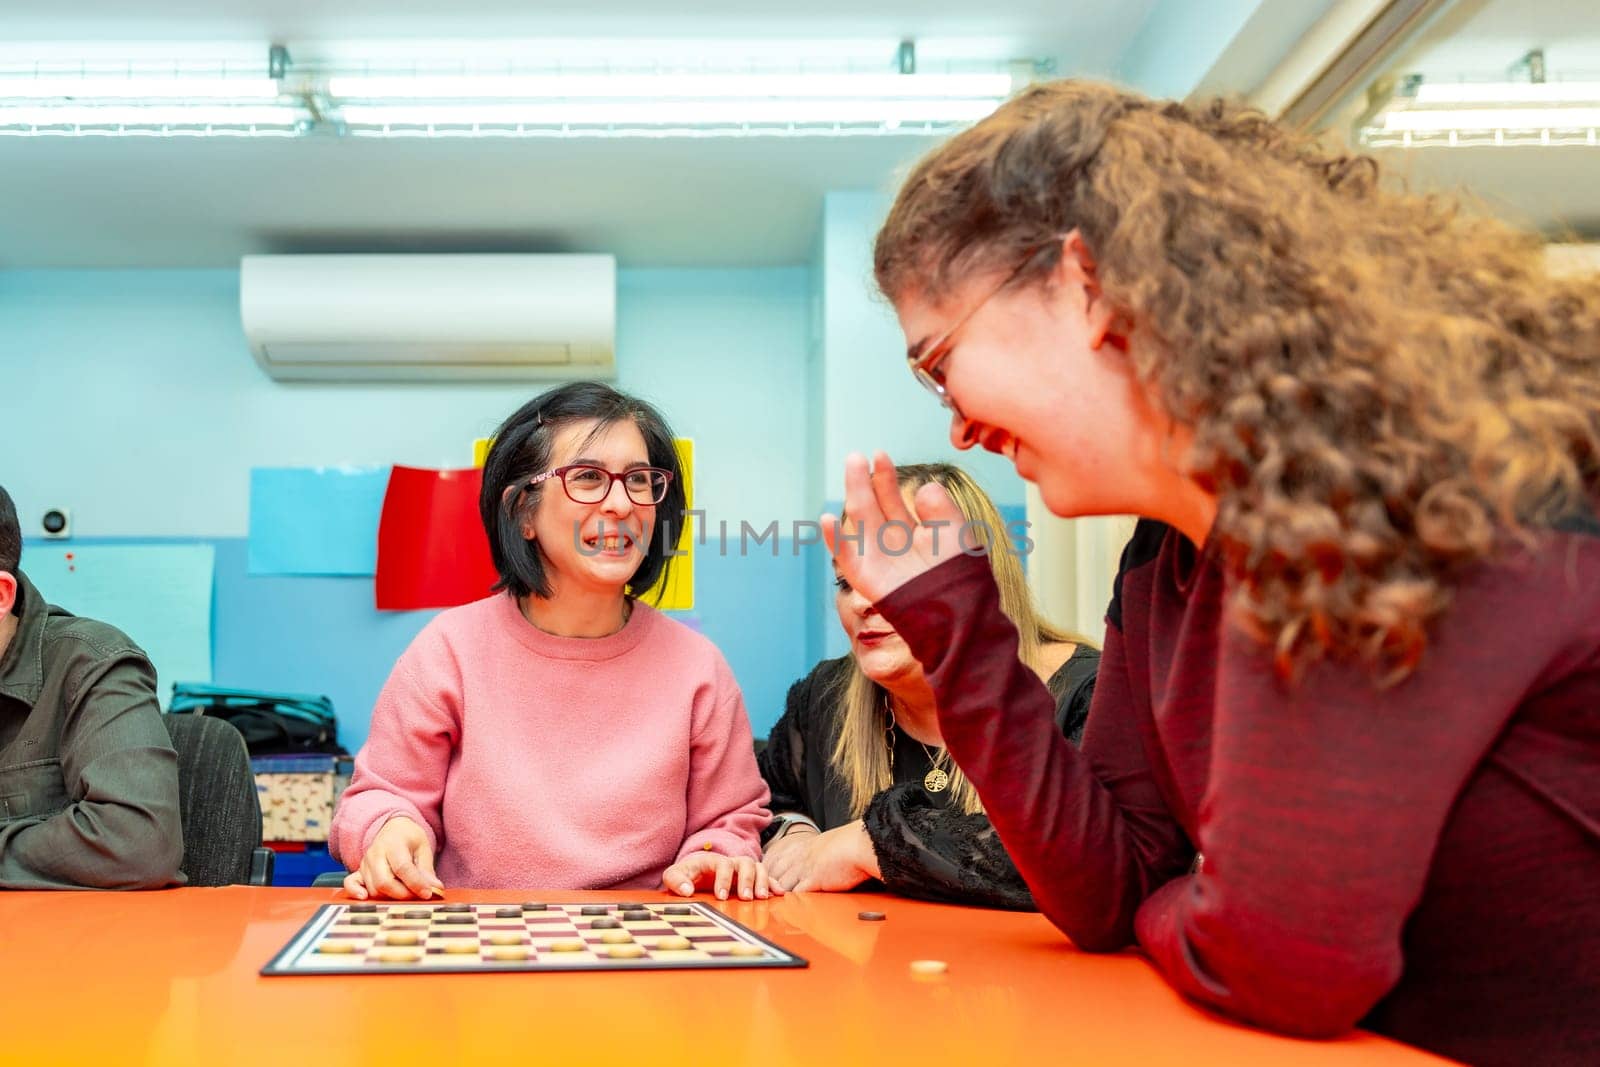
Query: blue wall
pixel 143 412
pixel 867 398
pixel 724 353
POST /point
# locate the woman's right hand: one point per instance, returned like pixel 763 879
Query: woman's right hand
pixel 832 861
pixel 398 864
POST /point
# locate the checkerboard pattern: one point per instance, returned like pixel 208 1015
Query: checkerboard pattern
pixel 428 938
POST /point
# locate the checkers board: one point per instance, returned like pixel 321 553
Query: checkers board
pixel 404 937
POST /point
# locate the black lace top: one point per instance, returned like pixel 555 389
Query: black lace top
pixel 925 847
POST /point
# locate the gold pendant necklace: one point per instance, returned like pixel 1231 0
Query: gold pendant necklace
pixel 936 780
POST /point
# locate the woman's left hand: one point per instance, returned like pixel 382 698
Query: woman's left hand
pixel 839 859
pixel 879 544
pixel 722 874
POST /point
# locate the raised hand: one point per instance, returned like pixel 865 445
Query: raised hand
pixel 881 544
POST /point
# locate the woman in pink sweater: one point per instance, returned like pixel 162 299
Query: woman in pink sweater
pixel 561 733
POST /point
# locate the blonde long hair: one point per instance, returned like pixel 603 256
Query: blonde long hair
pixel 861 756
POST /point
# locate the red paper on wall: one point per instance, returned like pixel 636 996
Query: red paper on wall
pixel 432 551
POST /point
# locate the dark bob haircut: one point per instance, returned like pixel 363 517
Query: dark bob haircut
pixel 521 449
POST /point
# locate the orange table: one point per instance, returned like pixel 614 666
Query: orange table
pixel 171 978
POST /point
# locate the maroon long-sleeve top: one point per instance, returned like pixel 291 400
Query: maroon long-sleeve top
pixel 1422 859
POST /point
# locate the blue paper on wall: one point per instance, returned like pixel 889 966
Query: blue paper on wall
pixel 159 595
pixel 315 520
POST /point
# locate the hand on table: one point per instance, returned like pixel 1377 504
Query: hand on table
pixel 718 872
pixel 883 544
pixel 398 865
pixel 804 860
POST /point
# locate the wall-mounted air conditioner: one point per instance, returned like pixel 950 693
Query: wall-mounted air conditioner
pixel 401 318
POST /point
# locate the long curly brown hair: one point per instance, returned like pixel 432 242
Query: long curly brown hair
pixel 1383 389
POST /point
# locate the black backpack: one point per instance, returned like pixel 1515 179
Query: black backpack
pixel 272 723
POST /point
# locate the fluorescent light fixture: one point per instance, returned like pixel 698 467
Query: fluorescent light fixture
pixel 1420 121
pixel 135 88
pixel 664 104
pixel 185 96
pixel 674 86
pixel 1466 114
pixel 139 115
pixel 667 113
pixel 162 119
pixel 1433 93
pixel 143 99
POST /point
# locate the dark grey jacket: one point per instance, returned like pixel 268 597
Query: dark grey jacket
pixel 88 776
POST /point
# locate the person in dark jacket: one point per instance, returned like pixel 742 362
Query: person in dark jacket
pixel 88 775
pixel 862 788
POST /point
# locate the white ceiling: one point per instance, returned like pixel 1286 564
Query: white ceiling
pixel 130 202
pixel 203 203
pixel 1556 190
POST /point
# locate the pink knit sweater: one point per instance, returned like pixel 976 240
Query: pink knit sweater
pixel 546 762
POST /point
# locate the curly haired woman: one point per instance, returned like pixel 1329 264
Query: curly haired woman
pixel 1343 760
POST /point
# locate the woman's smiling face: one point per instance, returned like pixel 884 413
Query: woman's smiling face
pixel 1034 378
pixel 595 546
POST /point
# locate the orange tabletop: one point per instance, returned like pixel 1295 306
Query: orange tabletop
pixel 172 978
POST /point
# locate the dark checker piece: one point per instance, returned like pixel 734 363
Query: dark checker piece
pixel 417 913
pixel 871 916
pixel 508 913
pixel 359 908
pixel 629 907
pixel 594 909
pixel 638 915
pixel 535 907
pixel 605 924
pixel 365 920
pixel 458 919
pixel 455 907
pixel 678 909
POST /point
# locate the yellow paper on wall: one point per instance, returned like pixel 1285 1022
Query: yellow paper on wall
pixel 677 594
pixel 480 451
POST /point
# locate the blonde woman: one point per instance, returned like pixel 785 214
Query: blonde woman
pixel 861 785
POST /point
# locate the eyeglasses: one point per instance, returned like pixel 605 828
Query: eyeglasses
pixel 927 358
pixel 590 485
